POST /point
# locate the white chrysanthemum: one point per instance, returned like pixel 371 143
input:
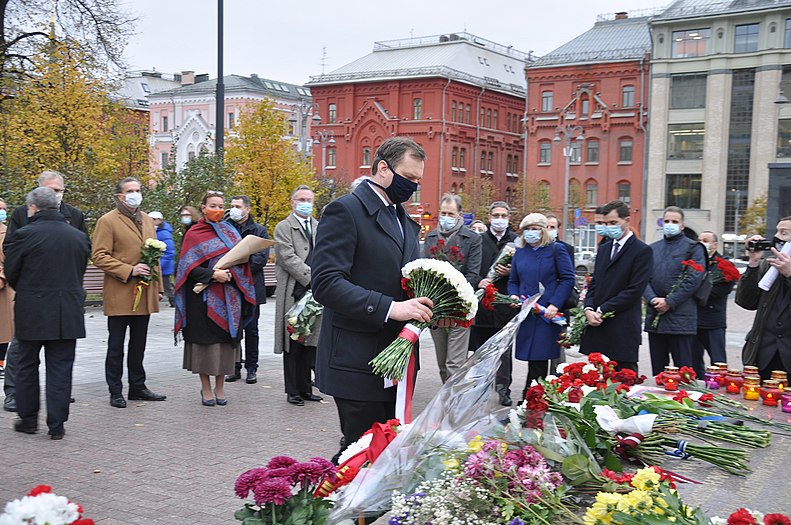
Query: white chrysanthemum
pixel 43 508
pixel 358 446
pixel 445 270
pixel 551 377
pixel 588 368
pixel 561 367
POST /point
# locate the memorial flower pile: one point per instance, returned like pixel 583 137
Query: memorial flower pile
pixel 453 299
pixel 150 254
pixel 301 318
pixel 42 506
pixel 745 516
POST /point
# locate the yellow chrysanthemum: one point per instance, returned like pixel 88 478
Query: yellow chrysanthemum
pixel 645 479
pixel 636 501
pixel 451 463
pixel 475 445
pixel 601 510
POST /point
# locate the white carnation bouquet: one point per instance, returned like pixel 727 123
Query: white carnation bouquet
pixel 453 298
pixel 41 505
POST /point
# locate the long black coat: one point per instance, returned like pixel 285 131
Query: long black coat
pixel 45 263
pixel 713 314
pixel 356 275
pixel 259 259
pixel 617 286
pixel 19 219
pixel 490 249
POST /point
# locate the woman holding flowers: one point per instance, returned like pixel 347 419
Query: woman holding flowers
pixel 539 261
pixel 211 321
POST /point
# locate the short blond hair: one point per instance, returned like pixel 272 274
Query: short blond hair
pixel 534 219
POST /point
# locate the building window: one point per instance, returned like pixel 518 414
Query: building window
pixel 691 43
pixel 231 120
pixel 545 152
pixel 332 116
pixel 788 33
pixel 516 165
pixel 625 193
pixel 453 111
pixel 164 159
pixel 165 123
pixel 467 110
pixel 366 157
pixel 625 151
pixel 627 98
pixel 416 196
pixel 576 152
pixel 685 141
pixel 483 162
pixel 417 109
pixel 453 188
pixel 592 152
pixel 508 165
pixel 784 138
pixel 462 154
pixel 482 121
pixel 683 191
pixel 591 195
pixel 546 101
pixel 508 121
pixel 585 108
pixel 454 157
pixel 490 165
pixel 494 119
pixel 489 118
pixel 746 38
pixel 145 88
pixel 688 91
pixel 461 188
pixel 331 157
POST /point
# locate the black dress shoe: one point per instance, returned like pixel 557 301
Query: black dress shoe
pixel 310 397
pixel 72 400
pixel 295 400
pixel 117 401
pixel 57 436
pixel 505 400
pixel 9 404
pixel 236 376
pixel 20 426
pixel 146 395
pixel 252 378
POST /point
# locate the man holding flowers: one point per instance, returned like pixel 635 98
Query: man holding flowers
pixel 363 241
pixel 118 241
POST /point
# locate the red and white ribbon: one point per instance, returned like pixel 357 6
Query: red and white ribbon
pixel 406 387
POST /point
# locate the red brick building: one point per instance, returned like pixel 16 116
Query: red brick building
pixel 460 96
pixel 596 84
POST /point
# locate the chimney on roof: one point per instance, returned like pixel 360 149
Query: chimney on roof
pixel 622 15
pixel 254 75
pixel 203 77
pixel 187 78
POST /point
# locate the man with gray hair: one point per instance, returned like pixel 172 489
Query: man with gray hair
pixel 53 180
pixel 461 247
pixel 45 262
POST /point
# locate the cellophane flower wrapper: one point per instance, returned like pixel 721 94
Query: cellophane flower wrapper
pixel 301 318
pixel 464 407
pixel 503 258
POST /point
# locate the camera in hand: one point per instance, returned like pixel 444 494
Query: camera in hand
pixel 762 245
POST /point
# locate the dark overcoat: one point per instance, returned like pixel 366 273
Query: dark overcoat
pixel 617 286
pixel 356 275
pixel 45 263
pixel 490 250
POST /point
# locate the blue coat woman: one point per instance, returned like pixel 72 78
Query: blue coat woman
pixel 538 260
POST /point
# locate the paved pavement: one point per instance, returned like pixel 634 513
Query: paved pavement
pixel 175 462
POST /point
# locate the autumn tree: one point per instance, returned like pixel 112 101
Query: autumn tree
pixel 753 219
pixel 63 119
pixel 266 167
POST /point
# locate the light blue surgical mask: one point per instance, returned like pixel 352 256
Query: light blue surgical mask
pixel 670 229
pixel 186 220
pixel 553 234
pixel 3 215
pixel 532 236
pixel 447 223
pixel 304 208
pixel 601 230
pixel 613 231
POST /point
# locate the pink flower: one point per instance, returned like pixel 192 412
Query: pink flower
pixel 275 490
pixel 247 480
pixel 306 472
pixel 281 462
pixel 327 469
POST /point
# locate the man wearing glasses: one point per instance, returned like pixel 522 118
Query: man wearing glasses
pixel 54 181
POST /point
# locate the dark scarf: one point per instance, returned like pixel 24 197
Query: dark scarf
pixel 448 235
pixel 135 216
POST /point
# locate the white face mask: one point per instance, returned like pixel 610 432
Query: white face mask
pixel 707 246
pixel 499 225
pixel 133 200
pixel 58 197
pixel 235 214
pixel 553 234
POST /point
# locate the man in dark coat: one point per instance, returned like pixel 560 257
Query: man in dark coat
pixel 712 315
pixel 768 343
pixel 363 241
pixel 674 333
pixel 239 217
pixel 47 179
pixel 623 267
pixel 488 323
pixel 45 263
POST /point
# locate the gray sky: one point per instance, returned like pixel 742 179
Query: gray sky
pixel 284 40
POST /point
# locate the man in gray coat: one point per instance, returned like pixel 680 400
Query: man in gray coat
pixel 295 236
pixel 672 315
pixel 461 247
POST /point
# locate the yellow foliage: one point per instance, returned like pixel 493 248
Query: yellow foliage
pixel 267 168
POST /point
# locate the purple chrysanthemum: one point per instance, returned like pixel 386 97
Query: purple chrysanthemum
pixel 309 472
pixel 282 472
pixel 276 490
pixel 281 462
pixel 246 481
pixel 328 470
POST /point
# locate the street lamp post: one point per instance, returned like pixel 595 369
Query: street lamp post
pixel 568 133
pixel 300 116
pixel 324 138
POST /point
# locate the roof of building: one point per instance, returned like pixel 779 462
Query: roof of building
pixel 137 85
pixel 235 83
pixel 608 40
pixel 458 56
pixel 698 8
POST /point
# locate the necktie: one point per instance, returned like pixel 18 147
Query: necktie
pixel 306 226
pixel 615 249
pixel 392 211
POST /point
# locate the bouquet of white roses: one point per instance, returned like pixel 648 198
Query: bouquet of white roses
pixel 150 254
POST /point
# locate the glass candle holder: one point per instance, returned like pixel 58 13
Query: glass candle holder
pixel 712 377
pixel 770 393
pixel 781 376
pixel 734 381
pixel 749 370
pixel 723 369
pixel 671 378
pixel 752 388
pixel 785 401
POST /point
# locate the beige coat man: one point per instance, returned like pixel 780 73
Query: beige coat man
pixel 291 250
pixel 116 249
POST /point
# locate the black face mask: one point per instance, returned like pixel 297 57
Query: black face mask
pixel 778 243
pixel 400 188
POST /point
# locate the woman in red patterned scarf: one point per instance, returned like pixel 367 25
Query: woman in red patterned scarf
pixel 211 321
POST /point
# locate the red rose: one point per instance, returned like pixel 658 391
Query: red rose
pixel 776 519
pixel 575 395
pixel 741 517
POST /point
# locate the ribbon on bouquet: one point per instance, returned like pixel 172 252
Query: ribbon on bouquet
pixel 631 441
pixel 406 387
pixel 559 319
pixel 139 293
pixel 681 450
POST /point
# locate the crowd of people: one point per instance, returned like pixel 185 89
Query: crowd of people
pixel 350 261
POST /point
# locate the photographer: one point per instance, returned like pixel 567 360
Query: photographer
pixel 768 344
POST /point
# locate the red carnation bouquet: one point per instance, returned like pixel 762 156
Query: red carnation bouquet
pixel 726 272
pixel 452 255
pixel 687 266
pixel 489 297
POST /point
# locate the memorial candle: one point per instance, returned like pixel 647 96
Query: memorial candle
pixel 770 393
pixel 712 377
pixel 733 381
pixel 751 388
pixel 785 401
pixel 781 376
pixel 671 378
